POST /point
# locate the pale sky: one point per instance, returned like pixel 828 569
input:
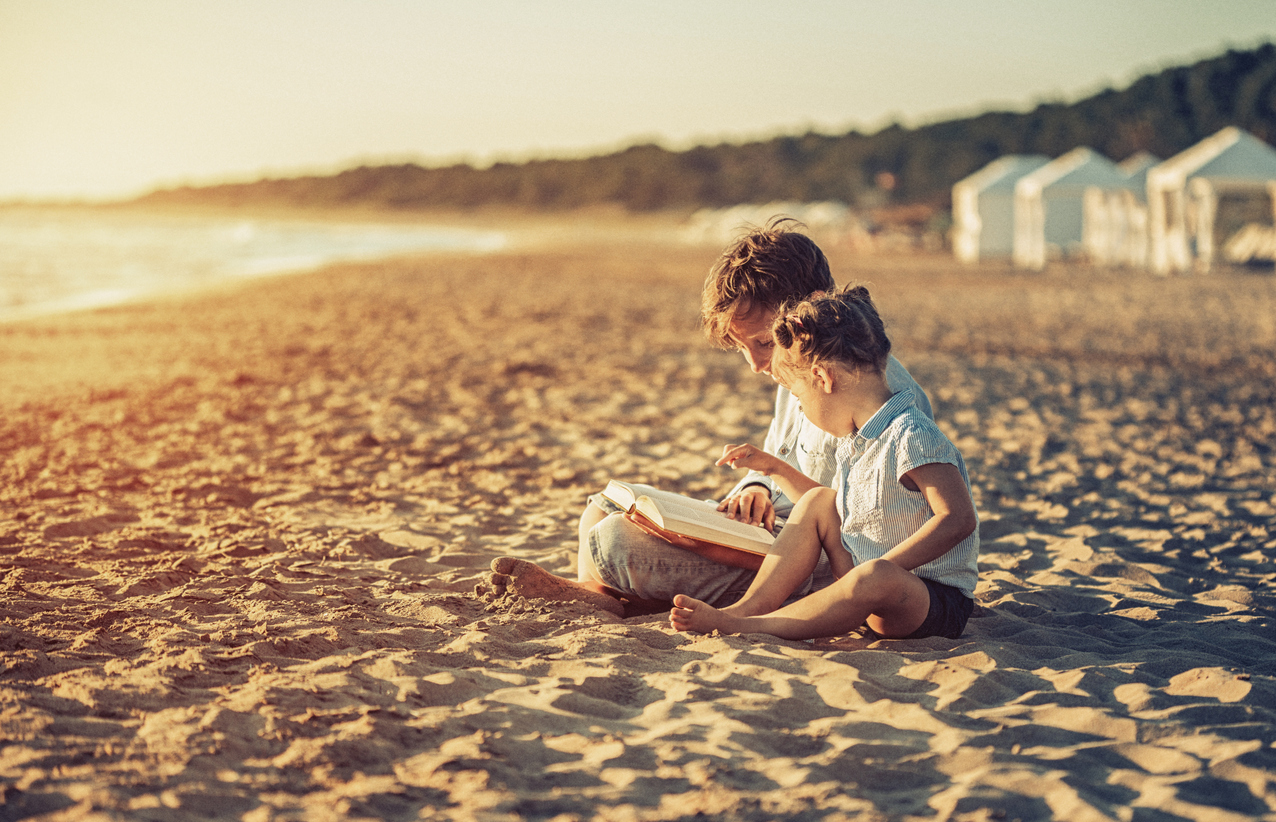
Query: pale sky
pixel 112 98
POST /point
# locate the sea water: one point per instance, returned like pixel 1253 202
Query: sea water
pixel 54 260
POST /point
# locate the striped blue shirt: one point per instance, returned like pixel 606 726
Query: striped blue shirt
pixel 878 512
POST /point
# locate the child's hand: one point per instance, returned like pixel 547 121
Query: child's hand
pixel 787 479
pixel 748 456
pixel 752 505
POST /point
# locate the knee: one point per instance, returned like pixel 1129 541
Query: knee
pixel 876 570
pixel 591 516
pixel 871 578
pixel 611 534
pixel 819 506
pixel 819 497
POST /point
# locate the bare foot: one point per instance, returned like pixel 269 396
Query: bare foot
pixel 693 615
pixel 526 579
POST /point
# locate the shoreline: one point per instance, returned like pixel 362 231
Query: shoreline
pixel 201 249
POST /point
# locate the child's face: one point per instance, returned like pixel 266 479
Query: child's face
pixel 751 333
pixel 806 388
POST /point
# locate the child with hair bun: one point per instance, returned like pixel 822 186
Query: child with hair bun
pixel 899 526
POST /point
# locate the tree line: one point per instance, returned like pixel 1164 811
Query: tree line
pixel 1162 113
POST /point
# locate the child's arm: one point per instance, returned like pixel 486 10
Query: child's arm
pixel 954 518
pixel 791 481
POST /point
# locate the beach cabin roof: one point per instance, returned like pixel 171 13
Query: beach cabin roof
pixel 1078 169
pixel 1138 163
pixel 1002 174
pixel 1232 158
pixel 1136 168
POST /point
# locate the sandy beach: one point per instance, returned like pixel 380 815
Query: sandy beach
pixel 241 532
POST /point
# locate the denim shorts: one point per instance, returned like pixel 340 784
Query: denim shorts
pixel 949 610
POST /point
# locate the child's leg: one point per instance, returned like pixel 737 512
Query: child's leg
pixel 894 602
pixel 585 571
pixel 813 524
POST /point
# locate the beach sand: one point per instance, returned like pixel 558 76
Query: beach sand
pixel 240 534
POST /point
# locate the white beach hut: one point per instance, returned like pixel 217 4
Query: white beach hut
pixel 1049 203
pixel 983 207
pixel 1114 221
pixel 1184 192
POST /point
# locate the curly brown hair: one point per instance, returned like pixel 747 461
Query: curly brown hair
pixel 765 268
pixel 842 327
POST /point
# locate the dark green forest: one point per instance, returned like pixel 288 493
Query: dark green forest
pixel 1163 113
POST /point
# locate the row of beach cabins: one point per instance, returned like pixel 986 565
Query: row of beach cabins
pixel 1141 213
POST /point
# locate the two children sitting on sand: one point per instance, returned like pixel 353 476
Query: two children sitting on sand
pixel 899 524
pixel 853 417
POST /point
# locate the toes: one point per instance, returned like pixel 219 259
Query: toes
pixel 492 586
pixel 504 565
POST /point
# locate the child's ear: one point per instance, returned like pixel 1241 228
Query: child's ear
pixel 823 379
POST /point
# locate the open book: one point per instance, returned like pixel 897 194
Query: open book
pixel 693 524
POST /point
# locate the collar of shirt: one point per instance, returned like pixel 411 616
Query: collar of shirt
pixel 892 408
pixel 871 430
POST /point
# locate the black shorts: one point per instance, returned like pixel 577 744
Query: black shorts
pixel 949 610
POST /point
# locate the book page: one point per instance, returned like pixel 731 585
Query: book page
pixel 619 493
pixel 707 515
pixel 662 498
